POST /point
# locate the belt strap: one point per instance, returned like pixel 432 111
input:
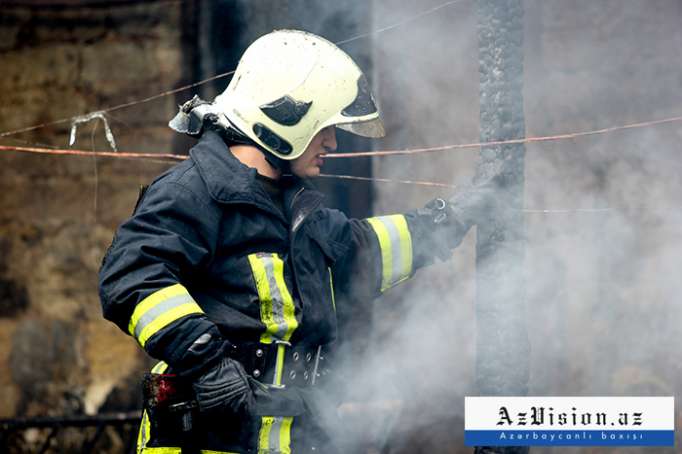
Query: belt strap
pixel 282 364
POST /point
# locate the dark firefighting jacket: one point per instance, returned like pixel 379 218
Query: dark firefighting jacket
pixel 206 247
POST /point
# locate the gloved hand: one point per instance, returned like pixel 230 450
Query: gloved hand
pixel 224 388
pixel 276 401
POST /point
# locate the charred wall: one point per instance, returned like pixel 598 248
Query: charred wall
pixel 57 214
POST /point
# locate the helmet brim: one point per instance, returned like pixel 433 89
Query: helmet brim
pixel 372 128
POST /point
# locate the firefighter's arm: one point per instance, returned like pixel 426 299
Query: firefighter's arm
pixel 379 253
pixel 387 250
pixel 145 273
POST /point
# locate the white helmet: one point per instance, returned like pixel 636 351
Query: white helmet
pixel 289 85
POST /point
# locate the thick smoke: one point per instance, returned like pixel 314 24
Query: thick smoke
pixel 602 286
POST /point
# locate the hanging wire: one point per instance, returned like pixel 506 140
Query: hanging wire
pixel 398 24
pixel 216 77
pixel 117 107
pixel 165 158
pixel 33 143
pixel 577 210
pixel 566 136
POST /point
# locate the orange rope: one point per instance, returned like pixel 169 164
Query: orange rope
pixel 387 180
pixel 157 158
pixel 409 151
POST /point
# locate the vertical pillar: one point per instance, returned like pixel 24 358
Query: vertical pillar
pixel 502 358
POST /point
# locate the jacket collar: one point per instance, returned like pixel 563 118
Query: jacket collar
pixel 229 181
pixel 225 177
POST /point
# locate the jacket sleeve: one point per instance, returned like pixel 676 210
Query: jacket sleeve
pixel 164 246
pixel 384 251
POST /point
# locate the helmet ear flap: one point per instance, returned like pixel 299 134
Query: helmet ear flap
pixel 286 110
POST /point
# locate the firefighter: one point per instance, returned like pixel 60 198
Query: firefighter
pixel 230 269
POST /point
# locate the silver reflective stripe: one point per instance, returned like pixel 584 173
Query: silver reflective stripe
pixel 273 439
pixel 276 295
pixel 159 309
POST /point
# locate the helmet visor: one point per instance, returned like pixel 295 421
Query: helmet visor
pixel 372 128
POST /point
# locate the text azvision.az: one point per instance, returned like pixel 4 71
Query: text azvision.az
pixel 537 416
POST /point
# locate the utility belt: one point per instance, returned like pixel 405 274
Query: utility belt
pixel 276 364
pixel 170 409
pixel 282 364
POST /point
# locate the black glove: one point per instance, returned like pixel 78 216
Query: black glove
pixel 277 400
pixel 224 388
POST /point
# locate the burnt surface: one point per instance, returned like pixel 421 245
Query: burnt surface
pixel 502 361
pixel 502 346
pixel 13 298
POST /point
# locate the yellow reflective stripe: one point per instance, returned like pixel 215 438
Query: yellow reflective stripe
pixel 385 247
pixel 171 450
pixel 161 450
pixel 285 435
pixel 395 243
pixel 208 451
pixel 263 288
pixel 153 300
pixel 159 310
pixel 275 435
pixel 277 310
pixel 264 434
pixel 279 365
pixel 143 433
pixel 331 286
pixel 405 246
pixel 278 314
pixel 167 318
pixel 287 300
pixel 160 368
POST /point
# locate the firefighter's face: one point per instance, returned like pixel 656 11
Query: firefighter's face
pixel 309 163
